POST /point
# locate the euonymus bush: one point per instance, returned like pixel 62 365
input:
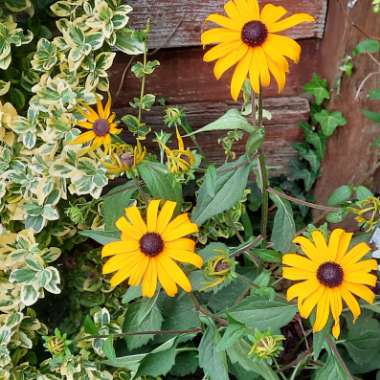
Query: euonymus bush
pixel 143 260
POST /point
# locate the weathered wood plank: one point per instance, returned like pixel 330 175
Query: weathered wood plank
pixel 178 23
pixel 183 77
pixel 282 129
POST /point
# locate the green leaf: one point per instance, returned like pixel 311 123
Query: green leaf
pixel 131 294
pixel 314 139
pixel 330 121
pixel 102 237
pixel 142 315
pixel 231 120
pixel 108 348
pixel 331 370
pixel 186 363
pixel 17 98
pixel 238 353
pixel 213 362
pixel 262 315
pixel 160 183
pixel 232 334
pixel 89 326
pixel 361 193
pixel 318 88
pixel 336 216
pixel 341 195
pixel 230 184
pixel 114 205
pixel 319 339
pixel 374 94
pixel 268 255
pixel 373 116
pixel 4 87
pixel 22 276
pixel 284 227
pixel 367 46
pixel 128 42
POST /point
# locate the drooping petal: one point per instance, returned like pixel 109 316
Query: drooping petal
pixel 175 272
pixel 166 281
pixel 138 273
pixel 272 13
pixel 323 309
pixel 297 274
pixel 83 138
pixel 221 50
pixel 254 77
pixel 278 74
pixel 240 74
pixel 289 22
pixel 361 291
pixel 152 214
pixel 351 302
pixel 334 242
pixel 336 306
pixel 285 46
pixel 309 303
pixel 226 22
pixel 119 247
pixel 299 262
pixel 149 282
pixel 134 216
pixel 260 61
pixel 225 63
pixel 186 257
pixel 273 54
pixel 302 290
pixel 165 215
pixel 218 35
pixel 356 253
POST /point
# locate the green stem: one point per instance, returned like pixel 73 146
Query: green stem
pixel 340 360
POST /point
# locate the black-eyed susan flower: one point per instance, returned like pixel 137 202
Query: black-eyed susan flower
pixel 179 160
pixel 147 252
pixel 125 157
pixel 101 126
pixel 329 274
pixel 248 39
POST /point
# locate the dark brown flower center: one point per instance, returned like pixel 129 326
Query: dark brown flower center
pixel 101 127
pixel 330 274
pixel 221 266
pixel 151 244
pixel 254 33
pixel 127 159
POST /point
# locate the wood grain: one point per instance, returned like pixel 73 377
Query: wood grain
pixel 178 23
pixel 282 130
pixel 183 77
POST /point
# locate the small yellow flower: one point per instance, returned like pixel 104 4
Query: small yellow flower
pixel 125 157
pixel 367 213
pixel 329 274
pixel 101 126
pixel 148 252
pixel 248 39
pixel 179 160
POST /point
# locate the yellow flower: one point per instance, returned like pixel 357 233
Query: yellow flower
pixel 147 251
pixel 125 157
pixel 247 38
pixel 367 213
pixel 329 274
pixel 101 125
pixel 179 160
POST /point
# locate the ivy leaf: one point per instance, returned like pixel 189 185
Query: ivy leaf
pixel 367 46
pixel 284 227
pixel 330 121
pixel 318 88
pixel 373 116
pixel 341 195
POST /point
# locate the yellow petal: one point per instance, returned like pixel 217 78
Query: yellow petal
pixel 90 114
pixel 356 254
pixel 179 232
pixel 139 271
pixel 323 310
pixel 152 213
pixel 165 215
pixel 107 109
pixel 229 60
pixel 254 76
pixel 226 22
pixel 83 138
pixel 149 283
pixel 296 274
pixel 361 291
pixel 176 222
pixel 344 243
pixel 273 54
pixel 362 266
pixel 118 262
pixel 129 232
pixel 299 262
pixel 175 272
pixel 278 73
pixel 308 305
pixel 284 46
pixel 334 242
pixel 351 302
pixel 221 50
pixel 360 278
pixel 240 74
pixel 336 310
pixel 100 108
pixel 320 243
pixel 259 61
pixel 166 281
pixel 271 13
pixel 231 10
pixel 181 244
pixel 253 10
pixel 124 273
pixel 85 124
pixel 289 22
pixel 119 247
pixel 218 35
pixel 302 290
pixel 309 249
pixel 186 257
pixel 181 145
pixel 134 216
